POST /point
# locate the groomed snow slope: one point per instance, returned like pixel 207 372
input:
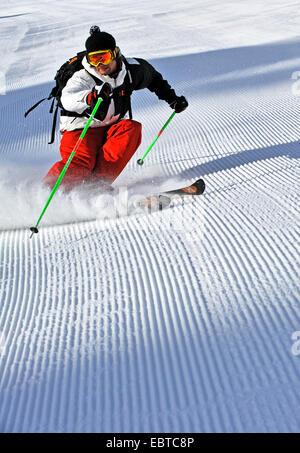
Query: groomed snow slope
pixel 178 321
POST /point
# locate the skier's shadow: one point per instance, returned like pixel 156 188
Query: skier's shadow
pixel 228 162
pixel 290 150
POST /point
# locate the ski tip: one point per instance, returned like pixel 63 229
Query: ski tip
pixel 197 188
pixel 200 185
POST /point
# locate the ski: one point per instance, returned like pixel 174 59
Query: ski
pixel 197 188
pixel 162 201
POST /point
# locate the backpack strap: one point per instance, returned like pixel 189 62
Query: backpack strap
pixel 53 123
pixel 130 84
pixel 130 108
pixel 51 95
pixel 97 81
pixel 35 105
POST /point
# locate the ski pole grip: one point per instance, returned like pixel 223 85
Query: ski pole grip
pixel 91 117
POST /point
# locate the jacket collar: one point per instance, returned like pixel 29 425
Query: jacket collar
pixel 119 80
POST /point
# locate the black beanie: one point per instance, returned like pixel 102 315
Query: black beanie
pixel 99 40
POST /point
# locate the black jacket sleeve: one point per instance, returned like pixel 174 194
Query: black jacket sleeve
pixel 146 76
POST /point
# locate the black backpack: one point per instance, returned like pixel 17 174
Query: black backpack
pixel 64 73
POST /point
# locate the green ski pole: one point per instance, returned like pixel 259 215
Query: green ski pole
pixel 141 161
pixel 34 229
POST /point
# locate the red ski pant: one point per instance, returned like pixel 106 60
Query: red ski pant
pixel 102 154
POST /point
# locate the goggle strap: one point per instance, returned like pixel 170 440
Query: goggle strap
pixel 113 52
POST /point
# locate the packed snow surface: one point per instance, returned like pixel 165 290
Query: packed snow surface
pixel 185 320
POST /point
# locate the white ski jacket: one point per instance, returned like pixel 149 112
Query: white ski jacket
pixel 135 74
pixel 74 95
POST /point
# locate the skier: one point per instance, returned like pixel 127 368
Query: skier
pixel 111 140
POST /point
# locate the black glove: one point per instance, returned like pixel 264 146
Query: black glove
pixel 93 97
pixel 179 104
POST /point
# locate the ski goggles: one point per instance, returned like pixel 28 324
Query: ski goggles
pixel 101 57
